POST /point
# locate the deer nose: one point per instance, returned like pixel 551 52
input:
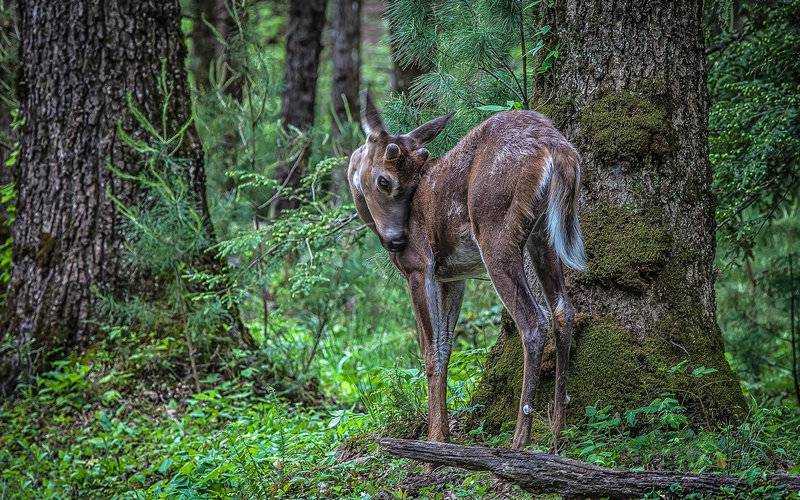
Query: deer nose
pixel 397 244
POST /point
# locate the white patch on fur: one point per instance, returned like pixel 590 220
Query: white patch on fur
pixel 573 255
pixel 357 181
pixel 463 262
pixel 354 169
pixel 365 126
pixel 548 171
pixel 559 305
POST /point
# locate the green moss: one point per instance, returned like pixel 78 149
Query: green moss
pixel 686 332
pixel 611 367
pixel 607 367
pixel 498 391
pixel 626 126
pixel 557 109
pixel 626 248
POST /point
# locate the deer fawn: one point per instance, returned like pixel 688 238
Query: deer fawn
pixel 512 183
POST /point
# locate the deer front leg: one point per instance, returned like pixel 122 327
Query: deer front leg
pixel 436 306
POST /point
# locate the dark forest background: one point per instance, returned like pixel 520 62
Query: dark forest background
pixel 190 306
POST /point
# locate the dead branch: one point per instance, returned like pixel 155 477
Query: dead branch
pixel 544 473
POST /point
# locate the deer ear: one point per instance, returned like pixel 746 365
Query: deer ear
pixel 370 119
pixel 427 132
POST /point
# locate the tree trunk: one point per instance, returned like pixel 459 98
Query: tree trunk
pixel 544 473
pixel 212 26
pixel 346 56
pixel 80 61
pixel 303 45
pixel 403 75
pixel 629 90
pixel 8 62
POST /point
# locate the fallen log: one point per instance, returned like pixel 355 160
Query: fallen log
pixel 545 473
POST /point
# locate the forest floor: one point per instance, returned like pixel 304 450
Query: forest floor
pixel 86 430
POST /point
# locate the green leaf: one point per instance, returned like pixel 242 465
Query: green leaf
pixel 164 467
pixel 702 370
pixel 493 107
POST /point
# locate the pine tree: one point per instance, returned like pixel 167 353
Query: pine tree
pixel 485 56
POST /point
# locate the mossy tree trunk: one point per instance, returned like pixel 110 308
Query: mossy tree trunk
pixel 79 63
pixel 629 90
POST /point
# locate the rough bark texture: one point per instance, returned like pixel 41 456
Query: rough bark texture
pixel 346 58
pixel 629 90
pixel 543 473
pixel 212 26
pixel 79 62
pixel 303 45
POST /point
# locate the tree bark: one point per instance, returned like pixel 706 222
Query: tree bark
pixel 303 45
pixel 346 58
pixel 79 63
pixel 8 61
pixel 544 473
pixel 629 89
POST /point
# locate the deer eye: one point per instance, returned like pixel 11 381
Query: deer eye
pixel 384 184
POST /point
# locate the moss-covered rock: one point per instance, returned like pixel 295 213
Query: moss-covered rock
pixel 625 247
pixel 626 126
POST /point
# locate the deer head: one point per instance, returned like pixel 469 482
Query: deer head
pixel 386 171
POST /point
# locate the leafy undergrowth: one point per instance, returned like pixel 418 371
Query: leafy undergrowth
pixel 71 434
pixel 659 437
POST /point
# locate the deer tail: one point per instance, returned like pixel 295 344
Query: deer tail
pixel 564 187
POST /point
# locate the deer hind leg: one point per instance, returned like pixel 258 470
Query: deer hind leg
pixel 503 260
pixel 551 277
pixel 436 306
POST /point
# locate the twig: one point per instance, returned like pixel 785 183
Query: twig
pixel 793 331
pixel 286 181
pixel 524 60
